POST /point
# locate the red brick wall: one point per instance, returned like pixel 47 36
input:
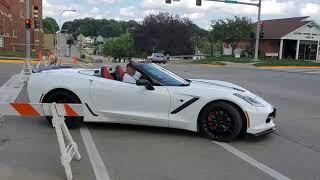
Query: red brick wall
pixel 17 9
pixel 266 46
pixel 269 46
pixel 5 25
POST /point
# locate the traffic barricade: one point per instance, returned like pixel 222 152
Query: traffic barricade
pixel 68 147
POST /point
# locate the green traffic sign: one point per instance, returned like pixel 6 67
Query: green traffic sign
pixel 231 1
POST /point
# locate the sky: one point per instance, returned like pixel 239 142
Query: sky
pixel 202 16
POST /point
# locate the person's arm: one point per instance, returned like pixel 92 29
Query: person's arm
pixel 129 79
pixel 137 75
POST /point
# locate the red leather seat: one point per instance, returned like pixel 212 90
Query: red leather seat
pixel 119 73
pixel 105 73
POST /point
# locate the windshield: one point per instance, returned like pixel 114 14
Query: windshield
pixel 163 75
pixel 158 54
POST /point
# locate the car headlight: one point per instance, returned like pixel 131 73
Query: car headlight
pixel 249 100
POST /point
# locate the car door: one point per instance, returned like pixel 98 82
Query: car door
pixel 129 103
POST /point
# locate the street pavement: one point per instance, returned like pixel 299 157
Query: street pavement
pixel 29 148
pixel 303 71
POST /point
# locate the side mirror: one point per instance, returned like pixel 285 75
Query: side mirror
pixel 145 83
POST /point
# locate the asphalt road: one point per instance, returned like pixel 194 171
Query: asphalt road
pixel 29 149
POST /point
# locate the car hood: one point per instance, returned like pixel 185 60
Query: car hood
pixel 219 85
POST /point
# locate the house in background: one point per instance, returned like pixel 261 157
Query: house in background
pixel 290 38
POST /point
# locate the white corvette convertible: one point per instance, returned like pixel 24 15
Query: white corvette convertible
pixel 219 110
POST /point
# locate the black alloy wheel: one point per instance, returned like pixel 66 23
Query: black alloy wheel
pixel 221 121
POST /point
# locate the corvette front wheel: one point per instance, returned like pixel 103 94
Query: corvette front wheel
pixel 220 121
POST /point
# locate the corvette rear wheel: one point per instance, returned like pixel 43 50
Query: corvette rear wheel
pixel 65 97
pixel 221 121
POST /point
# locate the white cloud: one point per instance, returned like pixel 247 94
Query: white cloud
pixel 150 11
pixel 102 1
pixel 310 9
pixel 269 7
pixel 127 11
pixel 194 16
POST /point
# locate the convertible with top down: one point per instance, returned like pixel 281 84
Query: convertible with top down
pixel 219 110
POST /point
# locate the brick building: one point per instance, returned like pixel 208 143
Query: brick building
pixel 12 27
pixel 291 38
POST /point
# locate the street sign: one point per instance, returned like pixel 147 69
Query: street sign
pixel 231 1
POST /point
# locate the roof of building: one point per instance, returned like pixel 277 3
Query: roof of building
pixel 277 28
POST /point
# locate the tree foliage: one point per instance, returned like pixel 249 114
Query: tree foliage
pixel 95 27
pixel 50 26
pixel 164 32
pixel 231 30
pixel 120 47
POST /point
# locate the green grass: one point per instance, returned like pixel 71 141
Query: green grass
pixel 286 62
pixel 17 54
pixel 214 60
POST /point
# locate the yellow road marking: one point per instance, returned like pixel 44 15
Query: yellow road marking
pixel 16 61
pixel 210 65
pixel 289 67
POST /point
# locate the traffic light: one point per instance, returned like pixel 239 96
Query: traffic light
pixel 36 23
pixel 27 23
pixel 198 2
pixel 35 16
pixel 261 29
pixel 35 11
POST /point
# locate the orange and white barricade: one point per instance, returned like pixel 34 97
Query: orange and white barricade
pixel 58 113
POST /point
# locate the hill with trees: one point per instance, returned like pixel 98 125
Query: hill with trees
pixel 95 27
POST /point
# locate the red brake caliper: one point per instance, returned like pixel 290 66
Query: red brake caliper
pixel 210 121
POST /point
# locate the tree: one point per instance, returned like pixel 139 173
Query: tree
pixel 164 32
pixel 231 31
pixel 94 27
pixel 120 47
pixel 50 26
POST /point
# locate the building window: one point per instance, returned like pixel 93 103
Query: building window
pixel 21 13
pixel 1 41
pixel 14 34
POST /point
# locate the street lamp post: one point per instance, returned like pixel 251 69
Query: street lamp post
pixel 60 29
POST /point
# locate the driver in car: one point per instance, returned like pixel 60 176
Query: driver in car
pixel 131 75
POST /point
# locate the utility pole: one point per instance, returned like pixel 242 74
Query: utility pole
pixel 28 47
pixel 256 53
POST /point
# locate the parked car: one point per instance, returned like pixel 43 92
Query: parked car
pixel 157 58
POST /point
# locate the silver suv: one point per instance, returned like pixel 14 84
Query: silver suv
pixel 157 58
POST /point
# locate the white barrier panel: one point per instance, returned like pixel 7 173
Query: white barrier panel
pixel 58 113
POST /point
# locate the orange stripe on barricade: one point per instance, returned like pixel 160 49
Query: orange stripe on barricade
pixel 70 112
pixel 25 109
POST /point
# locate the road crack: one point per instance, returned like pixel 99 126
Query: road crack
pixel 315 148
